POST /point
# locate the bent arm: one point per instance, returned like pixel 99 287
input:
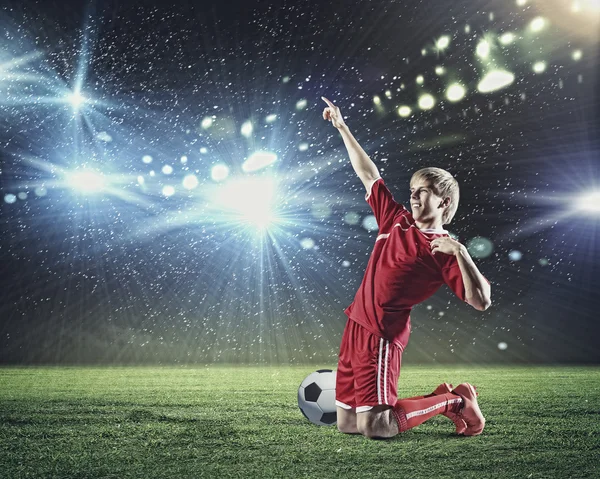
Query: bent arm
pixel 477 289
pixel 363 165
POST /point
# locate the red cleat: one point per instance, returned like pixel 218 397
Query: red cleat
pixel 470 411
pixel 458 421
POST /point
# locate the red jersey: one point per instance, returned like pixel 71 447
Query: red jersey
pixel 402 271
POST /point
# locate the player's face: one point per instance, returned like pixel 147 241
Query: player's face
pixel 424 202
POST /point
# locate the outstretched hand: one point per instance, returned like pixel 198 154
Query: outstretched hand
pixel 333 114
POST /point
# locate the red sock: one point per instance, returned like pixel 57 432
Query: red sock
pixel 419 397
pixel 412 412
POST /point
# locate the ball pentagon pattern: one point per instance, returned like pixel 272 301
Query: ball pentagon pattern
pixel 316 397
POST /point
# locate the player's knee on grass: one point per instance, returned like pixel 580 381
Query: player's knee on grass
pixel 346 421
pixel 378 423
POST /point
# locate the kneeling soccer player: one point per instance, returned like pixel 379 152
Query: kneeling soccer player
pixel 412 257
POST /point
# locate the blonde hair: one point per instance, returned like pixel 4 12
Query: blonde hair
pixel 444 185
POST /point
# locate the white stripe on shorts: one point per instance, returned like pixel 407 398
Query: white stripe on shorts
pixel 384 399
pixel 385 374
pixel 379 371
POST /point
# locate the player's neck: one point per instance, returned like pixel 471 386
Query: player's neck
pixel 429 225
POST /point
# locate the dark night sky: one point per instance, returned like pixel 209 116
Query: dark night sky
pixel 162 264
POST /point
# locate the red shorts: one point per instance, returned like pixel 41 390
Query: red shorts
pixel 368 370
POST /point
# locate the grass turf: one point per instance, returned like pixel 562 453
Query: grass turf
pixel 219 421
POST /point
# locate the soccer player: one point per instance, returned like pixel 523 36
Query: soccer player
pixel 412 257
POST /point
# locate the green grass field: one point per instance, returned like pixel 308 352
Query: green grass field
pixel 219 421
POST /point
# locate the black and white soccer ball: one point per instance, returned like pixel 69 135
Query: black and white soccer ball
pixel 316 397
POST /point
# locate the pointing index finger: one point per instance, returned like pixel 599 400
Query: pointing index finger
pixel 328 102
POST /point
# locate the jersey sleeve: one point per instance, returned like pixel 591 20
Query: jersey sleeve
pixel 453 278
pixel 382 203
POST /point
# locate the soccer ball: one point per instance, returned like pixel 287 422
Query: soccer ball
pixel 316 397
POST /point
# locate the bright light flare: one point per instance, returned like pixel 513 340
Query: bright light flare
pixel 76 99
pixel 251 198
pixel 86 181
pixel 589 202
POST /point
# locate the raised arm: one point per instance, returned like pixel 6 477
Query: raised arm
pixel 362 164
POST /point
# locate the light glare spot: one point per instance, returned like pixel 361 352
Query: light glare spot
pixel 147 159
pixel 219 172
pixel 483 49
pixel 206 123
pixel 190 182
pixel 426 102
pixel 247 129
pixel 404 111
pixel 507 38
pixel 495 80
pixel 537 24
pixel 539 67
pixel 352 218
pixel 301 104
pixel 10 198
pixel 271 118
pixel 168 191
pixel 370 223
pixel 167 169
pixel 455 92
pixel 576 55
pixel 307 243
pixel 103 136
pixel 515 255
pixel 480 247
pixel 443 42
pixel 258 161
pixel 502 346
